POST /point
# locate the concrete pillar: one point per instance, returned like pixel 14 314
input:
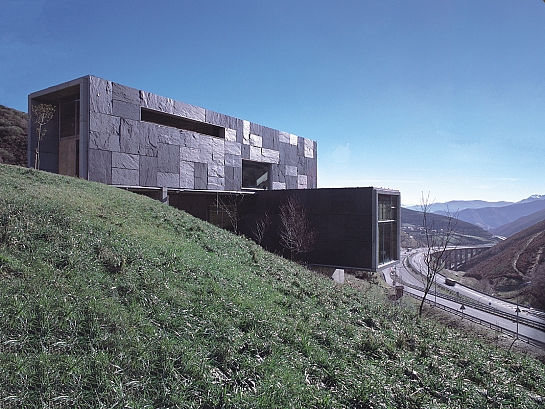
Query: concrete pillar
pixel 164 195
pixel 161 195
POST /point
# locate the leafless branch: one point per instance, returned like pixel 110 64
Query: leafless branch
pixel 229 207
pixel 296 233
pixel 438 240
pixel 41 115
pixel 261 225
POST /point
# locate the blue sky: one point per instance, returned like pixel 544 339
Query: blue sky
pixel 438 96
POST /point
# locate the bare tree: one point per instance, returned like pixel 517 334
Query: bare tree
pixel 228 208
pixel 296 233
pixel 438 240
pixel 41 115
pixel 261 225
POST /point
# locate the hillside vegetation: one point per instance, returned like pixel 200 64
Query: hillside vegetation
pixel 516 263
pixel 13 136
pixel 110 299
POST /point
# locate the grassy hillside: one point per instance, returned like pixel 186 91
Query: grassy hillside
pixel 13 136
pixel 111 299
pixel 508 265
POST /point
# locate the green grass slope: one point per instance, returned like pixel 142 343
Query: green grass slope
pixel 109 299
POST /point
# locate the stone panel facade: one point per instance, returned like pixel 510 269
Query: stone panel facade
pixel 181 147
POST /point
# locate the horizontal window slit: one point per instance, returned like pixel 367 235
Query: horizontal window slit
pixel 160 118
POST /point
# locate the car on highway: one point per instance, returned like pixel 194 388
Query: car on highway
pixel 450 281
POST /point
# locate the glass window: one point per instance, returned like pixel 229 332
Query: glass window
pixel 255 175
pixel 387 228
pixel 69 119
pixel 387 207
pixel 387 233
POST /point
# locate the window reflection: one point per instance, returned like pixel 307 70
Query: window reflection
pixel 255 175
pixel 69 119
pixel 387 228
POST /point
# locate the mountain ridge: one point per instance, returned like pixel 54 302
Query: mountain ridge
pixel 493 217
pixel 454 206
pixel 457 205
pixel 519 224
pixel 411 224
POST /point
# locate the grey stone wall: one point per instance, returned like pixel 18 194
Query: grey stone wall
pixel 126 151
pixel 117 148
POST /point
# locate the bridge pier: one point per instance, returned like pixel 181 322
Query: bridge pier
pixel 455 259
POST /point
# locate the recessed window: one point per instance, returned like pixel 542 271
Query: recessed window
pixel 387 207
pixel 69 110
pixel 255 175
pixel 69 118
pixel 160 118
pixel 387 228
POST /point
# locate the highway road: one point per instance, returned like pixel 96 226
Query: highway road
pixel 476 305
pixel 417 261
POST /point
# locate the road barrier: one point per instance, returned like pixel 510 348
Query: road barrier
pixel 476 305
pixel 479 321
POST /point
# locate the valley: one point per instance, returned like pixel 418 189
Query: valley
pixel 514 267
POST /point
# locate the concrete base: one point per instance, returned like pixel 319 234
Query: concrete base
pixel 338 276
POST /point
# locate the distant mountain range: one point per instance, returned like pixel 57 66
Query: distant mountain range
pixel 469 234
pixel 458 205
pixel 520 224
pixel 493 216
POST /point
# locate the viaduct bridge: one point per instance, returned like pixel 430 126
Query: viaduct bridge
pixel 456 258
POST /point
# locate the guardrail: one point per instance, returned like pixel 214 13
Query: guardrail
pixel 478 306
pixel 479 321
pixel 409 265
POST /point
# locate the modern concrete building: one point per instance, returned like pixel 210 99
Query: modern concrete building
pixel 210 165
pixel 110 133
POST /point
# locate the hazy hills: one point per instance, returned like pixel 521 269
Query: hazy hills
pixel 468 234
pixel 493 217
pixel 521 223
pixel 500 218
pixel 457 205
